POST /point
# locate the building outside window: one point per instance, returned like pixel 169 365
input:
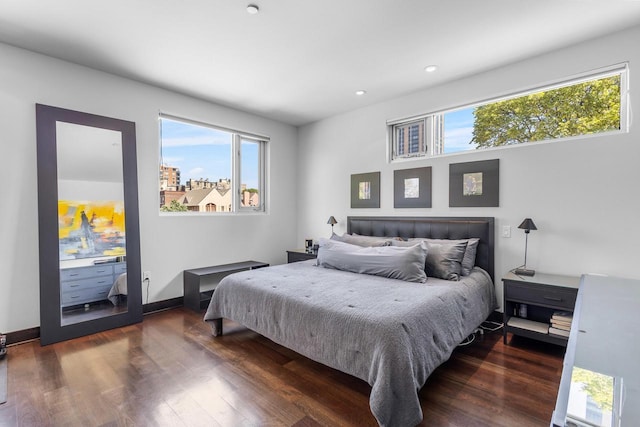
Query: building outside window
pixel 223 170
pixel 409 139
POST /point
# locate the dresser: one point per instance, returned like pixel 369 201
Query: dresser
pixel 82 285
pixel 604 342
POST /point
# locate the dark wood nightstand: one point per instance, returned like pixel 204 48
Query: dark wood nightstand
pixel 296 255
pixel 543 295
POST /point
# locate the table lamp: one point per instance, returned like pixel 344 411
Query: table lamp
pixel 527 225
pixel 333 222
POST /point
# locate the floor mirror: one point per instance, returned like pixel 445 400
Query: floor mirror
pixel 88 223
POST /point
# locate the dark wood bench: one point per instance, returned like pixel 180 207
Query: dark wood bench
pixel 196 300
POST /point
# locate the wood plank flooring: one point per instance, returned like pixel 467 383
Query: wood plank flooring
pixel 170 371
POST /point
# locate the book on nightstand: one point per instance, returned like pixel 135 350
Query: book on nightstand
pixel 530 325
pixel 560 332
pixel 562 316
pixel 561 325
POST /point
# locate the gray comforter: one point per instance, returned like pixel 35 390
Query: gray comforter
pixel 389 333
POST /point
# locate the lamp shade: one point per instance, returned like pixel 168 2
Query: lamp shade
pixel 527 224
pixel 332 220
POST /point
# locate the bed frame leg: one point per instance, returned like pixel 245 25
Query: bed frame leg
pixel 216 326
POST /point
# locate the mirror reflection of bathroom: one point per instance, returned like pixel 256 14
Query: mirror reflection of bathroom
pixel 91 223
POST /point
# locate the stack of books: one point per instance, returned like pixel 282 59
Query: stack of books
pixel 561 323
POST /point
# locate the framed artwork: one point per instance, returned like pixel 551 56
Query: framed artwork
pixel 89 229
pixel 412 188
pixel 474 184
pixel 365 190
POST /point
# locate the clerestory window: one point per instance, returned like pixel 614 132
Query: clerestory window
pixel 593 103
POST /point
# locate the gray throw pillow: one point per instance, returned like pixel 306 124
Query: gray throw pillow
pixel 402 263
pixel 469 259
pixel 444 257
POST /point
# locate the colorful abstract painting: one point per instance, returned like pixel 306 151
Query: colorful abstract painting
pixel 90 229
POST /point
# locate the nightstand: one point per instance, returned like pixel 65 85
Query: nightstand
pixel 543 295
pixel 296 255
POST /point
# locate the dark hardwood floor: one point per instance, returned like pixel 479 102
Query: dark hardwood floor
pixel 170 371
pixel 90 312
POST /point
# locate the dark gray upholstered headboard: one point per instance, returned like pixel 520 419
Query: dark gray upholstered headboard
pixel 434 228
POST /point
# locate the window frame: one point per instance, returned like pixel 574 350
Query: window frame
pixel 434 121
pixel 261 172
pixel 236 162
pixel 422 150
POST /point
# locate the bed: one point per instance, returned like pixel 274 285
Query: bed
pixel 390 333
pixel 118 292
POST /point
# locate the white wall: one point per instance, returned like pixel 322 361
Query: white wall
pixel 583 195
pixel 169 244
pixel 89 190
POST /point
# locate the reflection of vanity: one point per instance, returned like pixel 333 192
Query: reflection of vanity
pixel 83 285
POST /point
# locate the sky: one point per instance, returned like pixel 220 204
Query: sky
pixel 458 130
pixel 202 152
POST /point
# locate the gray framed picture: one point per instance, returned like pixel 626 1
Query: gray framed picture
pixel 365 190
pixel 474 184
pixel 412 188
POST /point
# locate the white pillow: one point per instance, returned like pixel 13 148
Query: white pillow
pixel 387 261
pixel 355 239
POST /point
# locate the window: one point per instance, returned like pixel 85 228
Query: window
pixel 591 104
pixel 204 168
pixel 409 139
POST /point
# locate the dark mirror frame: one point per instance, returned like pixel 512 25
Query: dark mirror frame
pixel 51 329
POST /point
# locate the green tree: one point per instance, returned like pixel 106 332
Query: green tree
pixel 174 206
pixel 583 108
pixel 598 386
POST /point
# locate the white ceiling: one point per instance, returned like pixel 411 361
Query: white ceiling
pixel 299 61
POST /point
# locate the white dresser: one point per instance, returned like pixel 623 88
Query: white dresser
pixel 604 341
pixel 82 285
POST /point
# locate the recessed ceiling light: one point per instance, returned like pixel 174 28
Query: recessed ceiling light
pixel 430 68
pixel 361 92
pixel 253 9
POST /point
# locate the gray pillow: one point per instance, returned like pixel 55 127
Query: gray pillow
pixel 469 259
pixel 402 263
pixel 355 239
pixel 444 257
